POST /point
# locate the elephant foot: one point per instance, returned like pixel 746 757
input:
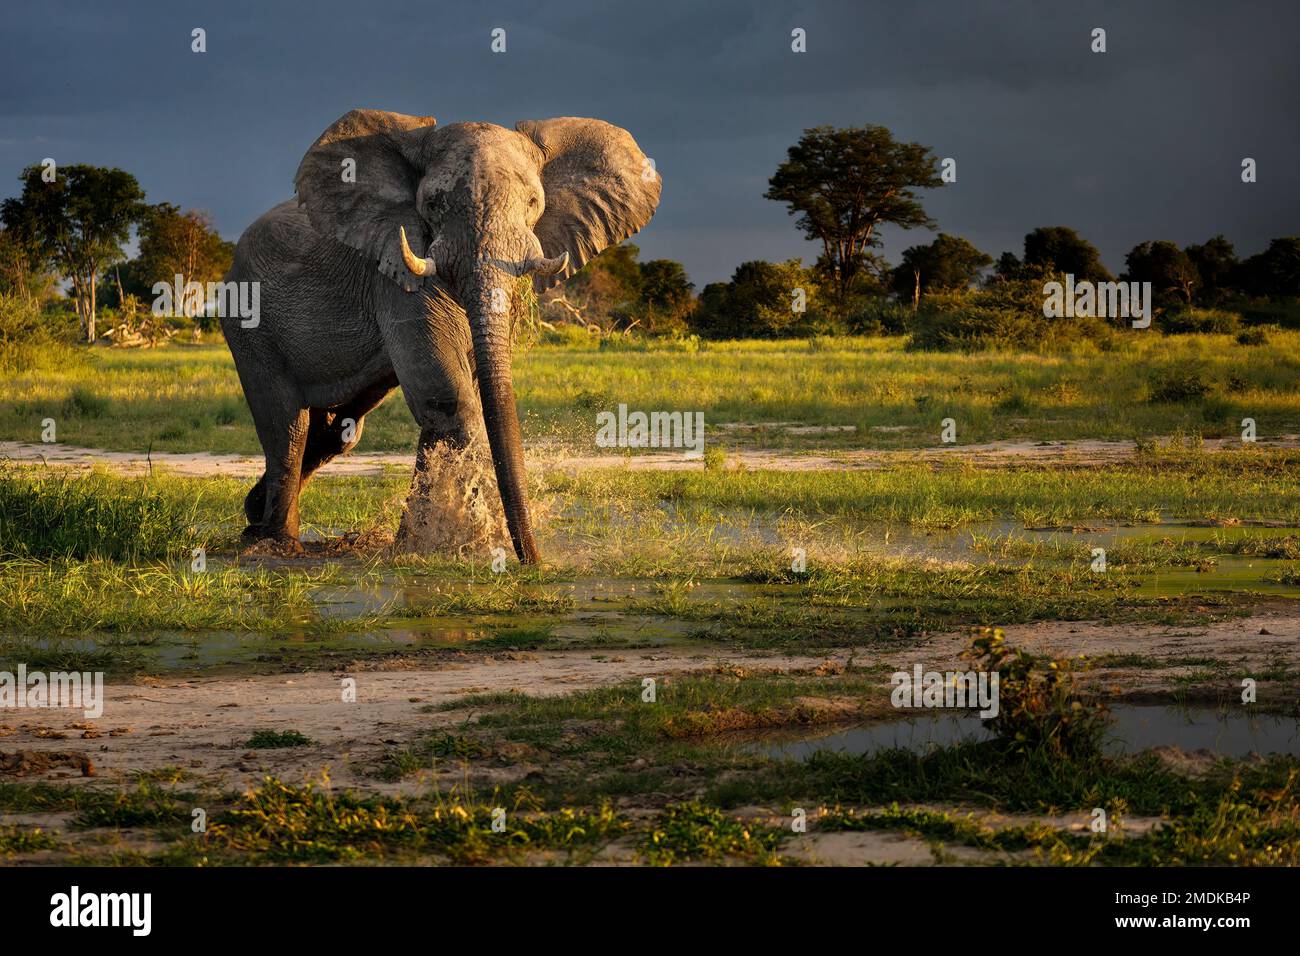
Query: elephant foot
pixel 453 505
pixel 258 542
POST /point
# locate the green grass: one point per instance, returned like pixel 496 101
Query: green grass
pixel 58 514
pixel 187 397
pixel 15 839
pixel 693 832
pixel 69 597
pixel 1245 484
pixel 284 823
pixel 696 547
pixel 277 740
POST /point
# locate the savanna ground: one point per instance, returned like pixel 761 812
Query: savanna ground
pixel 525 690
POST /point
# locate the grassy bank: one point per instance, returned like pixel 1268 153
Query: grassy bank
pixel 187 397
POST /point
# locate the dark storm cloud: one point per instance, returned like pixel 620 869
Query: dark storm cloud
pixel 1142 142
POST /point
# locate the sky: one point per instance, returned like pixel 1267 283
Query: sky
pixel 1144 141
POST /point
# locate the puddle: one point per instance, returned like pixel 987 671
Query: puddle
pixel 1133 728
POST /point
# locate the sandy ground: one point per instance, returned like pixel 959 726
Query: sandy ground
pixel 202 724
pixel 1087 453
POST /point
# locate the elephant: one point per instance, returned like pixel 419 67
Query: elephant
pixel 350 311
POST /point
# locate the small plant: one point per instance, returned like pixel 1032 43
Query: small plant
pixel 1039 710
pixel 693 831
pixel 715 459
pixel 1255 335
pixel 276 740
pixel 16 839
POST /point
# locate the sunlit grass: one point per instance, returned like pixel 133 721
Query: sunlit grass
pixel 187 397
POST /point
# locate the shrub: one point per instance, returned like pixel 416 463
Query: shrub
pixel 83 403
pixel 878 316
pixel 1006 316
pixel 1177 384
pixel 1039 710
pixel 1199 321
pixel 1256 335
pixel 27 341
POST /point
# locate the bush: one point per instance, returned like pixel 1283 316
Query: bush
pixel 1199 321
pixel 1006 316
pixel 1039 711
pixel 878 316
pixel 27 340
pixel 1256 335
pixel 1179 384
pixel 1284 314
pixel 83 403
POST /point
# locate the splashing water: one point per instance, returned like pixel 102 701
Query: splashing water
pixel 453 506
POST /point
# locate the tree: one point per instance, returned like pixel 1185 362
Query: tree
pixel 1215 261
pixel 1008 269
pixel 22 271
pixel 844 183
pixel 78 222
pixel 1059 249
pixel 1169 269
pixel 762 300
pixel 604 291
pixel 1273 272
pixel 667 294
pixel 174 243
pixel 949 262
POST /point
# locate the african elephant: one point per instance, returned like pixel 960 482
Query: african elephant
pixel 349 311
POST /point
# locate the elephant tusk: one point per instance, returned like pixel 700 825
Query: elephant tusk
pixel 413 262
pixel 548 267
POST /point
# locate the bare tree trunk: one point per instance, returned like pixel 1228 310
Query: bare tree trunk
pixel 90 313
pixel 916 290
pixel 79 303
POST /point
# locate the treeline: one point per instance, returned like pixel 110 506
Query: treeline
pixel 72 223
pixel 841 185
pixel 945 286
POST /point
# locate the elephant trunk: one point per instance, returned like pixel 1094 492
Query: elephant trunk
pixel 490 296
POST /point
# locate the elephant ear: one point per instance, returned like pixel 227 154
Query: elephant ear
pixel 366 213
pixel 600 189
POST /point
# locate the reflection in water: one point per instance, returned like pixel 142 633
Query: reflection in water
pixel 1229 734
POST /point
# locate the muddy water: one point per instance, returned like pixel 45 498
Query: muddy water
pixel 600 618
pixel 1133 728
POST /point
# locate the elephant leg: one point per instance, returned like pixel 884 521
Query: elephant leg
pixel 336 431
pixel 453 505
pixel 282 424
pixel 255 507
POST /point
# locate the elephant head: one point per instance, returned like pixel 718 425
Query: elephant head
pixel 484 205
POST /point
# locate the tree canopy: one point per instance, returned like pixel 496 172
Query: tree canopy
pixel 949 262
pixel 1060 249
pixel 844 183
